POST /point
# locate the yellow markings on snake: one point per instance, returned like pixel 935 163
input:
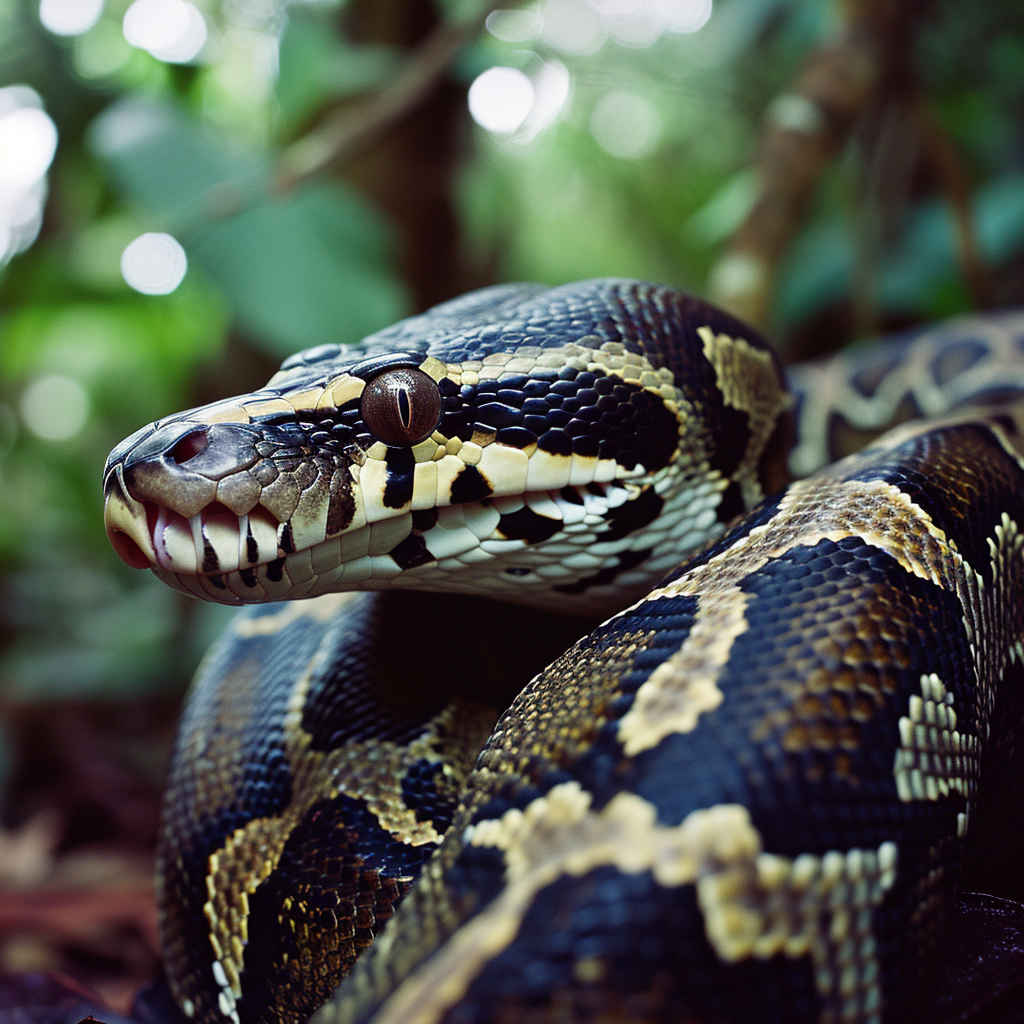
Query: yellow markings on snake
pixel 684 687
pixel 426 450
pixel 229 413
pixel 269 407
pixel 749 381
pixel 872 403
pixel 341 391
pixel 434 368
pixel 372 771
pixel 754 904
pixel 933 758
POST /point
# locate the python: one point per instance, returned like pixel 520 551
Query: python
pixel 752 793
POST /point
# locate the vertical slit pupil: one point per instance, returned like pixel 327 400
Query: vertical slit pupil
pixel 404 408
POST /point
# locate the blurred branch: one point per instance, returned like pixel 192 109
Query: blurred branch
pixel 350 130
pixel 805 129
pixel 952 174
pixel 890 144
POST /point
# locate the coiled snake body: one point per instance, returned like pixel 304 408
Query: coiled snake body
pixel 751 795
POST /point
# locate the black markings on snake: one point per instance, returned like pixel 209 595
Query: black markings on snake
pixel 632 515
pixel 411 552
pixel 338 847
pixel 342 507
pixel 399 481
pixel 496 415
pixel 831 744
pixel 731 442
pixel 352 696
pixel 420 792
pixel 210 561
pixel 525 524
pixel 424 519
pixel 866 380
pixel 731 504
pixel 516 437
pixel 556 442
pixel 286 538
pixel 966 505
pixel 581 937
pixel 955 359
pixel 470 485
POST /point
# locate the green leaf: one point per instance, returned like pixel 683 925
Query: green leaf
pixel 725 210
pixel 317 65
pixel 167 164
pixel 816 273
pixel 999 214
pixel 302 269
pixel 306 269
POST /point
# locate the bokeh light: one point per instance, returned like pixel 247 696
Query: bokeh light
pixel 551 86
pixel 796 113
pixel 500 99
pixel 514 26
pixel 154 263
pixel 28 142
pixel 580 27
pixel 54 407
pixel 28 139
pixel 625 124
pixel 573 26
pixel 69 17
pixel 682 15
pixel 171 30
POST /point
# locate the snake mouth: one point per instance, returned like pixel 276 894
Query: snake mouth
pixel 214 540
pixel 239 559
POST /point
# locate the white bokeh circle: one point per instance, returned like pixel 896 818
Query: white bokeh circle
pixel 69 17
pixel 171 30
pixel 54 407
pixel 500 99
pixel 154 263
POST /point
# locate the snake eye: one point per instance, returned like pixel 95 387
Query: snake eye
pixel 401 407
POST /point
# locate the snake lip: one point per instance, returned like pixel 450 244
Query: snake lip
pixel 216 542
pixel 128 549
pixel 213 541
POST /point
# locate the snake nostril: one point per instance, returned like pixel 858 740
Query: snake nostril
pixel 188 447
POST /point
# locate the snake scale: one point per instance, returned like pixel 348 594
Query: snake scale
pixel 750 792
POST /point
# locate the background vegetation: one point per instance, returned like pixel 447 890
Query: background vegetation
pixel 319 164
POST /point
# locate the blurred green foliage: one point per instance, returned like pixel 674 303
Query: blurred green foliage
pixel 194 150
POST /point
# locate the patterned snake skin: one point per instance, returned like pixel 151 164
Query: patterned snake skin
pixel 751 795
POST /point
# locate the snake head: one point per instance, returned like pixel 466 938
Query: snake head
pixel 547 446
